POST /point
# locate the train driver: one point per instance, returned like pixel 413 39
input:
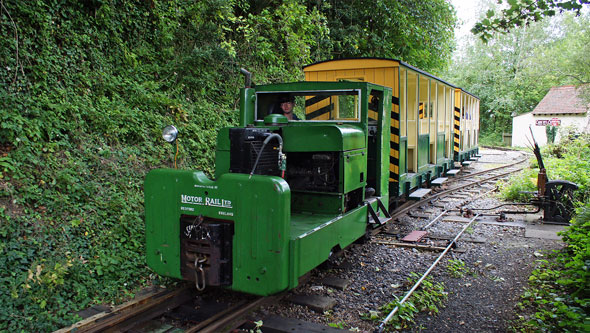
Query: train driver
pixel 287 103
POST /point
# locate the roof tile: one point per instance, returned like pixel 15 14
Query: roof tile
pixel 561 100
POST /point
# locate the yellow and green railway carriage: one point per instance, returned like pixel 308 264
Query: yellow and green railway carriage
pixel 424 124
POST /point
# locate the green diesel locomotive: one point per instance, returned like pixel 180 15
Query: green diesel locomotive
pixel 286 194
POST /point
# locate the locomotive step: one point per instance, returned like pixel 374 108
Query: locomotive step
pixel 439 181
pixel 452 172
pixel 382 220
pixel 375 217
pixel 419 193
pixel 466 163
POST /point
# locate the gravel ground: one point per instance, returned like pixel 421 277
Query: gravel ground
pixel 483 300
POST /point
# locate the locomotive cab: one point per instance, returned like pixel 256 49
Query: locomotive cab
pixel 286 193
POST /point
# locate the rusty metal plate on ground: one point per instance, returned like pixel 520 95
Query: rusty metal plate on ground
pixel 415 236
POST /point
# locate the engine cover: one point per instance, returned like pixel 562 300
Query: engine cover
pixel 245 145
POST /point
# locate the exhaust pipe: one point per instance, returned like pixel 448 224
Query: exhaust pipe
pixel 247 77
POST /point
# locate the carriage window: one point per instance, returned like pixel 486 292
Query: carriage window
pixel 341 105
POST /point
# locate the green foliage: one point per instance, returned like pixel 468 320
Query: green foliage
pixel 457 268
pixel 522 13
pixel 427 298
pixel 568 160
pixel 551 132
pixel 515 188
pixel 418 32
pixel 515 70
pixel 558 293
pixel 87 86
pixel 491 139
pixel 340 325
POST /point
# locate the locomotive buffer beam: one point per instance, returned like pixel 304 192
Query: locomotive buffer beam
pixel 379 217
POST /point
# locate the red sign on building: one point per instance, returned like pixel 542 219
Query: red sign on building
pixel 545 122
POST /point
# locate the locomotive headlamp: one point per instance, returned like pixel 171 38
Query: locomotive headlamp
pixel 170 133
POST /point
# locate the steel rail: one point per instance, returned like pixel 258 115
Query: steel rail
pixel 477 197
pixel 155 304
pixel 492 169
pixel 435 219
pixel 402 210
pixel 218 325
pixel 384 322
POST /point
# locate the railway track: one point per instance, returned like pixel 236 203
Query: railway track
pixel 179 310
pixel 417 239
pixel 183 310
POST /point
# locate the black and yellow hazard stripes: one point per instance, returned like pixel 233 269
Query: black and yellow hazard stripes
pixel 394 141
pixel 318 107
pixel 421 111
pixel 457 129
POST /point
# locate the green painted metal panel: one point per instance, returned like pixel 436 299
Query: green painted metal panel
pixel 403 153
pixel 259 207
pixel 423 150
pixel 320 233
pixel 247 100
pixel 413 179
pixel 354 165
pixel 322 137
pixel 223 139
pixel 440 148
pixel 222 158
pixel 313 202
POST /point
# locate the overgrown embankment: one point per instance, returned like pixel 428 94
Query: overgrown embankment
pixel 86 89
pixel 87 86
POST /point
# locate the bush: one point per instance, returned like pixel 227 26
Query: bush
pixel 567 160
pixel 86 87
pixel 519 186
pixel 558 293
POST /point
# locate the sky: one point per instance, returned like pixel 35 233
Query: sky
pixel 467 14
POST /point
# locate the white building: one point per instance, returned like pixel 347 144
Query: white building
pixel 561 107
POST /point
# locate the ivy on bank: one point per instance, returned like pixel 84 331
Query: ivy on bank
pixel 86 87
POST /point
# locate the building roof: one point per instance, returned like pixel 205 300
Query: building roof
pixel 561 100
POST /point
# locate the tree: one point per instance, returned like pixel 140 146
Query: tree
pixel 418 32
pixel 523 13
pixel 499 74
